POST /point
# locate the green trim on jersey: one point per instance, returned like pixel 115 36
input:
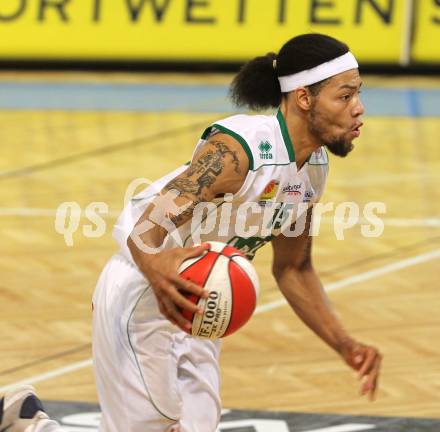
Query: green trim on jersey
pixel 235 135
pixel 286 137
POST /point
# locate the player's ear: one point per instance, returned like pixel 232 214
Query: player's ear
pixel 303 98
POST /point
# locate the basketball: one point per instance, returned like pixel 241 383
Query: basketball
pixel 233 287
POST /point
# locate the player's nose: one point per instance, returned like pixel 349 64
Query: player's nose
pixel 359 108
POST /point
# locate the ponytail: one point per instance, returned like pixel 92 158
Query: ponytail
pixel 256 86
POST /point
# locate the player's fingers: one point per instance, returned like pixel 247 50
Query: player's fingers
pixel 355 357
pixel 368 363
pixel 163 311
pixel 370 386
pixel 159 295
pixel 186 304
pixel 161 306
pixel 371 380
pixel 375 386
pixel 187 285
pixel 358 358
pixel 178 299
pixel 195 251
pixel 174 315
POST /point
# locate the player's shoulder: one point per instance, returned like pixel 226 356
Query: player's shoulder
pixel 249 131
pixel 241 124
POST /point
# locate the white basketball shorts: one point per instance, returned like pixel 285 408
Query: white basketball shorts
pixel 150 376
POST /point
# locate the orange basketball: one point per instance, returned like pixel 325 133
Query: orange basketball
pixel 233 287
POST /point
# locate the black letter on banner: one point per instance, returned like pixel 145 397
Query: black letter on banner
pixel 386 15
pixel 314 19
pixel 241 10
pixel 97 10
pixel 158 11
pixel 19 11
pixel 282 11
pixel 57 4
pixel 436 19
pixel 190 5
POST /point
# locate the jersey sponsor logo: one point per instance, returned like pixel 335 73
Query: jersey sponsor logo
pixel 265 150
pixel 269 192
pixel 308 195
pixel 292 189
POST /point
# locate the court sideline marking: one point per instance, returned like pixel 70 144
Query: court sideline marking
pixel 361 277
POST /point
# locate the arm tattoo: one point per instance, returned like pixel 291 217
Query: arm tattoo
pixel 186 214
pixel 201 175
pixel 205 170
pixel 215 159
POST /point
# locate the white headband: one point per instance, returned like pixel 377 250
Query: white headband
pixel 321 72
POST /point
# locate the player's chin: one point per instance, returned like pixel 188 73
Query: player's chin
pixel 348 145
pixel 348 148
pixel 341 148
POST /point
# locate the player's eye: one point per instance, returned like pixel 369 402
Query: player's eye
pixel 346 97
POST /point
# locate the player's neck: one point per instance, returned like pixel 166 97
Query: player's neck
pixel 303 141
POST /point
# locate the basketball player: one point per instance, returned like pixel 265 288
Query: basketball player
pixel 152 376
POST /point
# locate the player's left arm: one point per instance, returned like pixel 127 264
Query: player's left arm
pixel 296 277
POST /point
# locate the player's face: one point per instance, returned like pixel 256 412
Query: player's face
pixel 335 116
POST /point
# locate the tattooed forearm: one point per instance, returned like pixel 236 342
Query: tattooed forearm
pixel 185 215
pixel 195 184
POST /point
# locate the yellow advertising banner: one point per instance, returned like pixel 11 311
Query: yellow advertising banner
pixel 201 30
pixel 426 45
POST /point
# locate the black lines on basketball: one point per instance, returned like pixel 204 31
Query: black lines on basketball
pixel 232 297
pixel 232 285
pixel 207 261
pixel 242 296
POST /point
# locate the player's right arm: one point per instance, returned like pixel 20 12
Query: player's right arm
pixel 219 167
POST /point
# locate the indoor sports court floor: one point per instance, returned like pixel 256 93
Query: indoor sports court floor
pixel 83 138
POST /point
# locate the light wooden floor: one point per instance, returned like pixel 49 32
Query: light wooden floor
pixel 275 362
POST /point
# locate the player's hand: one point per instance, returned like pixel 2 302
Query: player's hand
pixel 161 271
pixel 366 361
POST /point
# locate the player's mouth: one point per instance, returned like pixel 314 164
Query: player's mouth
pixel 355 130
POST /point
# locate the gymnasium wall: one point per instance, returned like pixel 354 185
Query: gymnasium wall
pixel 395 32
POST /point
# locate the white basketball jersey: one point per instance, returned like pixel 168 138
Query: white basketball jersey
pixel 274 194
